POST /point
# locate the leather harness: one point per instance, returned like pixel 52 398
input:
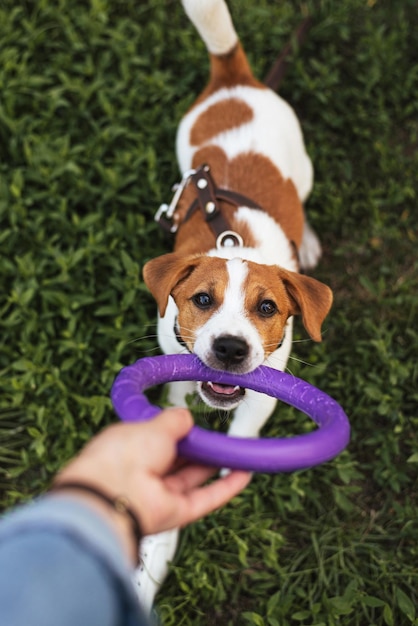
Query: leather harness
pixel 207 201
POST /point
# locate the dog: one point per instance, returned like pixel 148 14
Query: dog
pixel 231 287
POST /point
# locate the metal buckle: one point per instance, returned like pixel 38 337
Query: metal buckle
pixel 229 239
pixel 166 211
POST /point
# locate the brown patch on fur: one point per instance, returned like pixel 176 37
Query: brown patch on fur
pixel 218 162
pixel 163 273
pixel 219 118
pixel 194 235
pixel 182 277
pixel 309 298
pixel 293 294
pixel 255 176
pixel 252 175
pixel 263 283
pixel 209 276
pixel 229 70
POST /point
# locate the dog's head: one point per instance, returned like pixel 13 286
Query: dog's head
pixel 232 313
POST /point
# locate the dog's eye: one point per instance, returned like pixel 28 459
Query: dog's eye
pixel 267 308
pixel 202 300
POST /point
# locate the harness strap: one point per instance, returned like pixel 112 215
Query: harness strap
pixel 207 201
pixel 208 197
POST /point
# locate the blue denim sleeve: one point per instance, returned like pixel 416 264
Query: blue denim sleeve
pixel 60 563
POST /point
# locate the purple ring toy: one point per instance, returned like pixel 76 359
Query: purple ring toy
pixel 219 450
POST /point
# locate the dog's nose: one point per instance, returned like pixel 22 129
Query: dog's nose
pixel 230 350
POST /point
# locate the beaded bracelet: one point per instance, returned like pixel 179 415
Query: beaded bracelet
pixel 119 503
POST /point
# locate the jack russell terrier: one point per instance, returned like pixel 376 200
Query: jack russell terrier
pixel 230 289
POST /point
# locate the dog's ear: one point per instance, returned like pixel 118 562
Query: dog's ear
pixel 309 298
pixel 163 273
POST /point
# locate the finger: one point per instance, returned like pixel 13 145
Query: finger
pixel 201 501
pixel 188 477
pixel 175 422
pixel 179 464
pixel 162 435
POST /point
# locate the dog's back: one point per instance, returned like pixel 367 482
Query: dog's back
pixel 250 136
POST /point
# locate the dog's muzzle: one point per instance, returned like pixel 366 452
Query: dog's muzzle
pixel 228 353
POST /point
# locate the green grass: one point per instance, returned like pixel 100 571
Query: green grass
pixel 90 96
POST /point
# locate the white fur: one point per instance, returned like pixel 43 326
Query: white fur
pixel 232 308
pixel 272 247
pixel 310 250
pixel 213 23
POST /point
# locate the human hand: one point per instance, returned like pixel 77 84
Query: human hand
pixel 139 462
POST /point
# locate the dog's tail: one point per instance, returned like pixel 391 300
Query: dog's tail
pixel 213 23
pixel 229 65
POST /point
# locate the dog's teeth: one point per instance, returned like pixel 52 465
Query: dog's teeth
pixel 221 388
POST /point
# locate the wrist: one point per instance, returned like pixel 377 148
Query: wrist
pixel 114 509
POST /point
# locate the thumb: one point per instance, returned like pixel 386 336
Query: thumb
pixel 175 422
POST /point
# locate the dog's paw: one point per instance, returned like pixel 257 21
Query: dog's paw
pixel 310 250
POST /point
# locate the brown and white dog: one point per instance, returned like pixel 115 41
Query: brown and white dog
pixel 230 289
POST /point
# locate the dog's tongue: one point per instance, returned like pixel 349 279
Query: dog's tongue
pixel 227 390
